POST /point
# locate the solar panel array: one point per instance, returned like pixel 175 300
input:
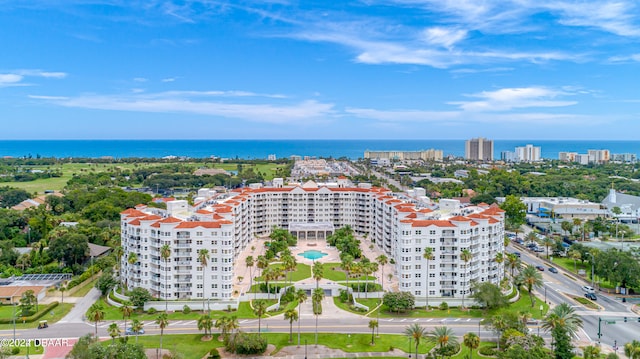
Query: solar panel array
pixel 48 277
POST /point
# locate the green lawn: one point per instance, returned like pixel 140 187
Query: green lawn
pixel 192 347
pixel 333 271
pixel 81 292
pixel 53 316
pixel 303 271
pixel 372 303
pixel 113 313
pixel 523 304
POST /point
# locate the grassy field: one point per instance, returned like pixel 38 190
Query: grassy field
pixel 53 316
pixel 81 292
pixel 269 171
pixel 192 347
pixel 303 271
pixel 333 271
pixel 523 304
pixel 113 313
pixel 372 303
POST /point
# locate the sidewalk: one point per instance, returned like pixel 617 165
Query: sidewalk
pixel 310 351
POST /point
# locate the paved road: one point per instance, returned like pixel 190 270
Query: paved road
pixel 560 287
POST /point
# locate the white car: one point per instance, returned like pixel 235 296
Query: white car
pixel 588 289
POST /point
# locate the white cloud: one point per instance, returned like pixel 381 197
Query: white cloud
pixel 406 115
pixel 445 37
pixel 40 73
pixel 168 79
pixel 511 98
pixel 9 79
pixel 51 98
pixel 163 103
pixel 140 79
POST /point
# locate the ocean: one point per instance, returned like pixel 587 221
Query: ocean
pixel 257 149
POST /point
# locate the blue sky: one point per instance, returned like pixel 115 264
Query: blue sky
pixel 277 69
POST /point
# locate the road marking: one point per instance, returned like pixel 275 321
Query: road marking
pixel 415 320
pixel 443 320
pixel 468 320
pixel 191 322
pixel 391 320
pixel 244 321
pixel 177 323
pixel 403 320
pixel 457 320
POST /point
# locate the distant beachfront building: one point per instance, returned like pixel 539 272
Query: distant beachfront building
pixel 478 149
pixel 225 224
pixel 624 157
pixel 424 155
pixel 565 207
pixel 528 153
pixel 271 157
pixel 592 156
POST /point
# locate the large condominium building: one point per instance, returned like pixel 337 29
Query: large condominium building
pixel 225 224
pixel 528 153
pixel 425 155
pixel 478 149
pixel 592 156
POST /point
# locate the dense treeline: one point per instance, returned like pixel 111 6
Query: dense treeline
pixel 586 182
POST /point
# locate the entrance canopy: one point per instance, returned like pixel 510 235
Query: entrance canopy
pixel 311 231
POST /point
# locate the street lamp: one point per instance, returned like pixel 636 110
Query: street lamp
pixel 541 309
pixel 409 347
pixel 305 349
pixel 545 294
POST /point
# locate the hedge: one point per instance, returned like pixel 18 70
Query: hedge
pixel 84 276
pixel 33 317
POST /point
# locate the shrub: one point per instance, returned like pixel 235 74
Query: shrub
pixel 84 276
pixel 152 310
pixel 488 350
pixel 186 309
pixel 214 354
pixel 362 287
pixel 246 343
pixel 443 306
pixel 15 351
pixel 344 296
pixel 33 317
pixel 139 296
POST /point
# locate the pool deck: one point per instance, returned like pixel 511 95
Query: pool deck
pixel 333 256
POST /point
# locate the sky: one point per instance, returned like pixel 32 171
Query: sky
pixel 278 69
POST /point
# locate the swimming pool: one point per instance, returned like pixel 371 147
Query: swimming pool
pixel 313 254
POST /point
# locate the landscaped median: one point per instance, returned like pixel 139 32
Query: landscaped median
pixel 52 312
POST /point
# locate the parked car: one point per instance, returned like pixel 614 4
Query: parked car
pixel 519 241
pixel 588 289
pixel 130 331
pixel 538 249
pixel 553 270
pixel 591 296
pixel 540 268
pixel 517 254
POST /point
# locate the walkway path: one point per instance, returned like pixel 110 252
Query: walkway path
pixel 76 315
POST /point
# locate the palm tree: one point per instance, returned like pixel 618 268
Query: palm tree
pixel 513 262
pixel 268 275
pixel 548 242
pixel 96 314
pixel 592 352
pixel 373 324
pixel 163 322
pixel 262 262
pixel 382 261
pixel 632 350
pixel 165 253
pixel 466 256
pixel 62 288
pixel 565 317
pixel 531 237
pixel 575 255
pixel 428 256
pixel 442 336
pixel 136 327
pixel 133 259
pixel 114 331
pixel 291 315
pixel 250 262
pixel 205 323
pixel 259 309
pixel 471 340
pixel 127 310
pixel 118 252
pixel 531 278
pixel 499 258
pixel 289 264
pixel 203 258
pixel 525 316
pixel 317 296
pixel 300 295
pixel 577 222
pixel 318 272
pixel 346 262
pixel 416 332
